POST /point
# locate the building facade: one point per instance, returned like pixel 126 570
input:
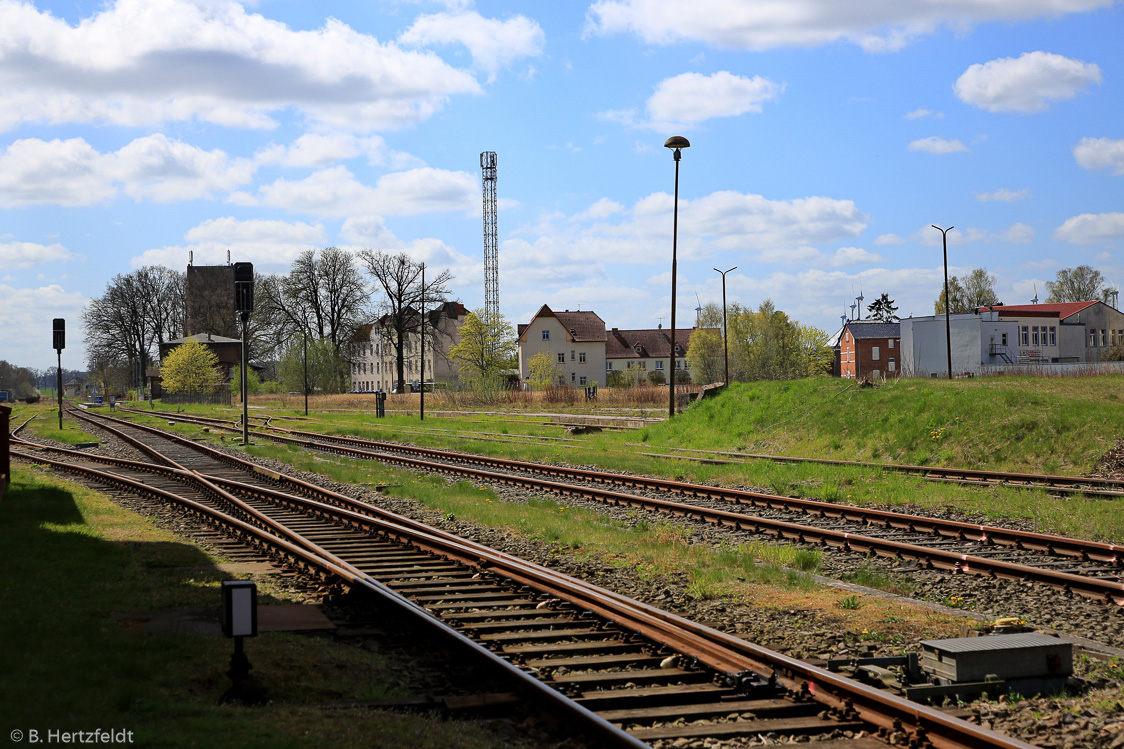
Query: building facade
pixel 639 354
pixel 1033 334
pixel 374 358
pixel 575 342
pixel 869 349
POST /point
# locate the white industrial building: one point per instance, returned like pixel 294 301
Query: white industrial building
pixel 1002 336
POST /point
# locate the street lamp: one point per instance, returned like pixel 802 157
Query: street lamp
pixel 725 347
pixel 947 301
pixel 677 143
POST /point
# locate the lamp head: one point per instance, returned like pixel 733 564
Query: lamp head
pixel 677 142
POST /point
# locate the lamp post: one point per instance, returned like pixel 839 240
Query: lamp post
pixel 725 345
pixel 421 408
pixel 677 143
pixel 304 337
pixel 947 301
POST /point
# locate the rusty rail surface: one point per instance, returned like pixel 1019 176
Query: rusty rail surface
pixel 728 655
pixel 1091 587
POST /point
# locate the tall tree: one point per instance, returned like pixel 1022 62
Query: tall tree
pixel 883 309
pixel 486 347
pixel 190 367
pixel 398 277
pixel 328 292
pixel 974 290
pixel 767 345
pixel 1080 284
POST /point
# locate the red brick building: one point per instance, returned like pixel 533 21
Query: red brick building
pixel 869 349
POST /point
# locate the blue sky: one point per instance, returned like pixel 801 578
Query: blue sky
pixel 826 137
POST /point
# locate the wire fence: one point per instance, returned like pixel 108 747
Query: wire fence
pixel 221 398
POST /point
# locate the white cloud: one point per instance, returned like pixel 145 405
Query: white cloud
pixel 1019 233
pixel 336 192
pixel 1100 153
pixel 1092 228
pixel 768 24
pixel 936 145
pixel 1003 194
pixel 27 254
pixel 492 43
pixel 262 242
pixel 603 208
pixel 60 172
pixel 322 149
pixel 889 239
pixel 72 173
pixel 691 97
pixel 1029 83
pixel 162 170
pixel 141 62
pixel 371 232
pixel 26 322
pixel 920 114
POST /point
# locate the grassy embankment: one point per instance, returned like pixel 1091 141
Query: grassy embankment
pixel 72 557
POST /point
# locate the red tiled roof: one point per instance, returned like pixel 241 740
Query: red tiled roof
pixel 1060 310
pixel 654 344
pixel 582 326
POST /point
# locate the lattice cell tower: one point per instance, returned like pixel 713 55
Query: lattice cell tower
pixel 491 247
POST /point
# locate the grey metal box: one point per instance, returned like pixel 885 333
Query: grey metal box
pixel 1019 656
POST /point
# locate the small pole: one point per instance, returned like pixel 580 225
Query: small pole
pixel 422 407
pixel 305 338
pixel 245 407
pixel 59 373
pixel 947 301
pixel 725 345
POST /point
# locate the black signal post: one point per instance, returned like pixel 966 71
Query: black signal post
pixel 59 341
pixel 244 304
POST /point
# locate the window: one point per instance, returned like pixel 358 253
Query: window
pixel 1024 336
pixel 573 356
pixel 1104 337
pixel 573 377
pixel 644 365
pixel 561 358
pixel 581 357
pixel 891 366
pixel 890 345
pixel 1053 335
pixel 678 364
pixel 876 374
pixel 1034 335
pixel 546 335
pixel 1004 340
pixel 608 366
pixel 581 380
pixel 659 364
pixel 1093 338
pixel 874 353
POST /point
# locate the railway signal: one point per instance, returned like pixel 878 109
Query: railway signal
pixel 244 304
pixel 59 341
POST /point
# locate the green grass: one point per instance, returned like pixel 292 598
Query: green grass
pixel 71 558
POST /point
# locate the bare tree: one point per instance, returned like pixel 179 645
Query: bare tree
pixel 1080 284
pixel 327 293
pixel 399 278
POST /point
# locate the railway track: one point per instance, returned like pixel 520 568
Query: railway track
pixel 1088 568
pixel 1092 486
pixel 627 672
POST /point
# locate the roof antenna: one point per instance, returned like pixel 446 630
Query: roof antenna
pixel 190 258
pixel 1035 299
pixel 228 257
